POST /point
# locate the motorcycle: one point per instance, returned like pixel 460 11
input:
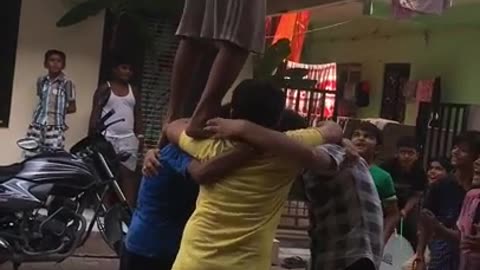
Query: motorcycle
pixel 45 198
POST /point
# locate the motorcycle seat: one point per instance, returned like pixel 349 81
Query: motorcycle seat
pixel 9 171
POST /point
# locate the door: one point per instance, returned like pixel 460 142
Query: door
pixel 393 100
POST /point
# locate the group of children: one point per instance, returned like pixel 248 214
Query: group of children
pixel 57 98
pixel 214 203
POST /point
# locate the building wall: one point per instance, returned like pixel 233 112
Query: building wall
pixel 452 54
pixel 82 43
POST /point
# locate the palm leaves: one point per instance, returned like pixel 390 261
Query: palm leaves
pixel 137 12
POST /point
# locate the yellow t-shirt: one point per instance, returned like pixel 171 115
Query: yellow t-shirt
pixel 235 220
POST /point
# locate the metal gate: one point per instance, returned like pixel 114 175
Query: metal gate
pixel 437 126
pixel 295 214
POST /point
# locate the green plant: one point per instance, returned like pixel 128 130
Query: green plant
pixel 272 66
pixel 136 12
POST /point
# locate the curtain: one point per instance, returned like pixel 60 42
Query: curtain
pixel 311 101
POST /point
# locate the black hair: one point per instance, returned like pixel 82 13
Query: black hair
pixel 471 139
pixel 118 59
pixel 258 101
pixel 371 130
pixel 408 142
pixel 444 162
pixel 51 52
pixel 291 120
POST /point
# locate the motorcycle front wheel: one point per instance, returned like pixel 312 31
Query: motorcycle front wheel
pixel 113 226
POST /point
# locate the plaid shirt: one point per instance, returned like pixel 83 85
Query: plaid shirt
pixel 345 214
pixel 55 96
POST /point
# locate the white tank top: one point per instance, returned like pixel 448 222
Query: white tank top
pixel 124 107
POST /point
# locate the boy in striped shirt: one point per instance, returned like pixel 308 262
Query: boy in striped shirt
pixel 56 99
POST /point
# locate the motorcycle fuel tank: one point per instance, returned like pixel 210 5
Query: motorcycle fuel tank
pixel 60 169
pixel 44 175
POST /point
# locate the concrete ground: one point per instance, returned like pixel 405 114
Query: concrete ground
pixel 96 255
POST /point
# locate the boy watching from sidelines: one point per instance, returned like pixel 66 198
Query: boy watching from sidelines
pixel 367 138
pixel 56 95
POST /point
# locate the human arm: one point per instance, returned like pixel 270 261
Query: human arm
pixel 138 125
pixel 424 235
pixel 411 203
pixel 392 215
pixel 99 98
pixel 386 189
pixel 419 185
pixel 471 242
pixel 71 97
pixel 39 86
pixel 211 171
pixel 439 230
pixel 278 143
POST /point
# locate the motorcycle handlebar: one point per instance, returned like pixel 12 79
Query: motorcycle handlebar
pixel 106 116
pixel 101 127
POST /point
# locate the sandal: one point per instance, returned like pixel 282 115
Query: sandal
pixel 294 262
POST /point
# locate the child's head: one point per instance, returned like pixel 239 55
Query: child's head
pixel 407 152
pixel 367 138
pixel 122 68
pixel 291 120
pixel 466 149
pixel 55 61
pixel 438 168
pixel 259 102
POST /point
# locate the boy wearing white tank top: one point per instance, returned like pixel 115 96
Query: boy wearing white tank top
pixel 126 136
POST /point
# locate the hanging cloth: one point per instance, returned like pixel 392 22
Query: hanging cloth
pixel 404 9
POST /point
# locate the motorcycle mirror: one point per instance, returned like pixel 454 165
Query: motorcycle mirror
pixel 28 144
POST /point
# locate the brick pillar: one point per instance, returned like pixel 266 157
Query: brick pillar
pixel 157 69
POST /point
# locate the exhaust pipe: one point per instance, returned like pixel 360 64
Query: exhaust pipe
pixel 6 251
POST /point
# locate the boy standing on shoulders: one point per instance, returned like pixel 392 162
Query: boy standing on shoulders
pixel 126 136
pixel 367 138
pixel 56 99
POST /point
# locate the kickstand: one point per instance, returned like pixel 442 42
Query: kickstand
pixel 16 266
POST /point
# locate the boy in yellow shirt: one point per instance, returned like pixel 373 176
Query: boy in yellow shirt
pixel 234 223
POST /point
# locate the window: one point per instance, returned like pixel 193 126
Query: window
pixel 9 22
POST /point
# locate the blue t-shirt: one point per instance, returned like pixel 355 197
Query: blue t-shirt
pixel 445 198
pixel 165 203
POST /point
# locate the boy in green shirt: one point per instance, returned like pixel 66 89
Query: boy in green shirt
pixel 367 138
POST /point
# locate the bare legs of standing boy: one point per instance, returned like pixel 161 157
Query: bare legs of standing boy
pixel 228 63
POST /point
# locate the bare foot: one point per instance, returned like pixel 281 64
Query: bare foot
pixel 196 131
pixel 196 125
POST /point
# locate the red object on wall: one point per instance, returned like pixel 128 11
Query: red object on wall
pixel 293 27
pixel 365 87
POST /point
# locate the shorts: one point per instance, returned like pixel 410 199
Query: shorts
pixel 50 138
pixel 239 22
pixel 128 145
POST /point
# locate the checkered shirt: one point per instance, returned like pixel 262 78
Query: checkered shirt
pixel 345 214
pixel 54 97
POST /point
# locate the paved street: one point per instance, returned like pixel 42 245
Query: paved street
pixel 71 264
pixel 103 258
pixel 94 247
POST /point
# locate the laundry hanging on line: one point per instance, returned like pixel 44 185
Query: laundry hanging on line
pixel 405 9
